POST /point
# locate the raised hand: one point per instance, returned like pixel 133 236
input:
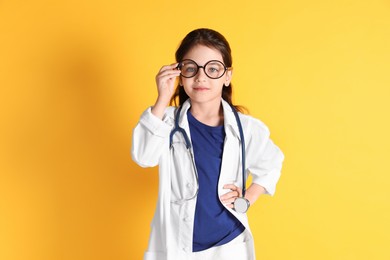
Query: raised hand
pixel 165 80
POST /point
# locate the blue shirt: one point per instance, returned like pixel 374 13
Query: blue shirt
pixel 214 225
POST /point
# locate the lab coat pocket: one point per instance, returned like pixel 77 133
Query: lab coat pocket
pixel 183 174
pixel 239 248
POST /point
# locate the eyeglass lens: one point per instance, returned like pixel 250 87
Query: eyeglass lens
pixel 213 69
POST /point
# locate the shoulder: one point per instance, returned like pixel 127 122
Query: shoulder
pixel 253 126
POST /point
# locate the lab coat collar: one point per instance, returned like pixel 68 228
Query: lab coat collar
pixel 229 118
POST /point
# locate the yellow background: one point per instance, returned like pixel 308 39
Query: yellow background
pixel 76 75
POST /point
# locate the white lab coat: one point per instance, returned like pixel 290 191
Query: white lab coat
pixel 172 225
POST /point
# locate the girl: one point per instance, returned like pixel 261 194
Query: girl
pixel 204 153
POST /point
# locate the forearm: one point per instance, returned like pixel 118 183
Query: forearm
pixel 254 192
pixel 159 107
pixel 148 140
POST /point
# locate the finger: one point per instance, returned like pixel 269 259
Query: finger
pixel 167 75
pixel 169 67
pixel 230 205
pixel 174 72
pixel 233 188
pixel 230 186
pixel 229 198
pixel 230 194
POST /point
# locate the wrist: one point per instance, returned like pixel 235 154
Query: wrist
pixel 159 107
pixel 250 199
pixel 162 101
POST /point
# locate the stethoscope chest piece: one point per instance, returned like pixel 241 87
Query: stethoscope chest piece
pixel 241 205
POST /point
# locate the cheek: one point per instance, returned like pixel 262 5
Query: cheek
pixel 220 84
pixel 186 82
pixel 186 87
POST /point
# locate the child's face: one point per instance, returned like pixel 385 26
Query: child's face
pixel 201 88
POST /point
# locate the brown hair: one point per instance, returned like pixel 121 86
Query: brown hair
pixel 212 39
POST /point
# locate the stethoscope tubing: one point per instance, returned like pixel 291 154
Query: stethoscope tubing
pixel 187 141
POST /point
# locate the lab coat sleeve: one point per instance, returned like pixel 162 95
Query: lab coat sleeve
pixel 264 159
pixel 150 138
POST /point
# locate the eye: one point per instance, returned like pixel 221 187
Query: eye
pixel 213 69
pixel 189 68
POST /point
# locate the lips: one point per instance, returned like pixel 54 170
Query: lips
pixel 200 88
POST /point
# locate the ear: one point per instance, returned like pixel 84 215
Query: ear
pixel 228 78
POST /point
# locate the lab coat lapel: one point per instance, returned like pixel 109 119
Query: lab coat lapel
pixel 183 121
pixel 231 159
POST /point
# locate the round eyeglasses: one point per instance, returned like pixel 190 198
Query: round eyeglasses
pixel 214 69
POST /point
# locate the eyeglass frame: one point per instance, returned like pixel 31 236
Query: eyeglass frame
pixel 179 66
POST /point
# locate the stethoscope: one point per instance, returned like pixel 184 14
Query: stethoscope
pixel 241 204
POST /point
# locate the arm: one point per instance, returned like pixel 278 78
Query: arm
pixel 254 192
pixel 264 161
pixel 151 133
pixel 265 165
pixel 150 138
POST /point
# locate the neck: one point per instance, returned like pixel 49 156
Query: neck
pixel 209 114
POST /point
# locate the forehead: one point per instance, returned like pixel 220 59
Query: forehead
pixel 202 54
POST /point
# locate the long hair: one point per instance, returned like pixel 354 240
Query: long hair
pixel 212 39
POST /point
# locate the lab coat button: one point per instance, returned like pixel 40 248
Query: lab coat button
pixel 186 249
pixel 187 219
pixel 189 185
